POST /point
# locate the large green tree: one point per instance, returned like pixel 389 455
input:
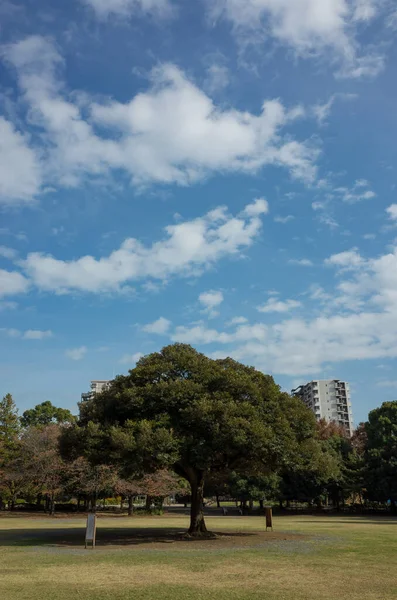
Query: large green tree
pixel 381 454
pixel 179 409
pixel 45 414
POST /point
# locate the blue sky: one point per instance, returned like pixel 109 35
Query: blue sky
pixel 217 173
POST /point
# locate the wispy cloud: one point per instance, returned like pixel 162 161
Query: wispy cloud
pixel 300 262
pixel 76 353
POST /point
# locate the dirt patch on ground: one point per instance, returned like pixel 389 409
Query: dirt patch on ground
pixel 179 541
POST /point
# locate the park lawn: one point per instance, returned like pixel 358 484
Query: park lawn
pixel 314 558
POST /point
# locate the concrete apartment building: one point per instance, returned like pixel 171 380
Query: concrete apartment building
pixel 329 399
pixel 97 387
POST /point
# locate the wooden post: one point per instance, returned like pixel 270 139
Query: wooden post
pixel 90 533
pixel 269 518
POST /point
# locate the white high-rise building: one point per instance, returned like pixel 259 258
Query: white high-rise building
pixel 97 387
pixel 329 399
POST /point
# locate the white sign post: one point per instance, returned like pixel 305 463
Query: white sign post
pixel 90 533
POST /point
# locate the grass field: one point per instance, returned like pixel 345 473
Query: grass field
pixel 138 558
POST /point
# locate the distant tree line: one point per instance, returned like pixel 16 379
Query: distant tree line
pixel 182 423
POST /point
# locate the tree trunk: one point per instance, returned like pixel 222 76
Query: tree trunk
pixel 121 502
pixel 38 501
pixel 52 506
pixel 78 503
pixel 261 504
pixel 251 505
pixel 130 506
pixel 197 523
pixel 148 505
pixel 218 503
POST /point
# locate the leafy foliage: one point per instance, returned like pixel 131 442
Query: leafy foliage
pixel 45 414
pixel 381 431
pixel 198 416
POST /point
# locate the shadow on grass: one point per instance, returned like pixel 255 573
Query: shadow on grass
pixel 106 536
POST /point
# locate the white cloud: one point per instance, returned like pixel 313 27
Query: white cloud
pixel 365 10
pixel 210 300
pixel 299 346
pixel 260 206
pixel 392 212
pixel 105 8
pixel 187 248
pixel 12 283
pixel 373 281
pixel 76 353
pixel 328 220
pixel 387 383
pixel 350 259
pixel 319 205
pixel 317 293
pixel 131 359
pixel 11 332
pixel 285 219
pixel 363 67
pixel 7 305
pixel 322 111
pixel 30 334
pixel 360 191
pixel 160 327
pixel 237 321
pixel 392 20
pixel 217 79
pixel 309 27
pixel 172 133
pixel 20 177
pixel 364 330
pixel 199 334
pixel 273 305
pixel 8 253
pixel 36 334
pixel 301 262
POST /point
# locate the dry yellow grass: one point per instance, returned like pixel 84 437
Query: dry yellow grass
pixel 333 558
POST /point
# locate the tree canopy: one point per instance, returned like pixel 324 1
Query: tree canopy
pixel 381 431
pixel 178 408
pixel 45 414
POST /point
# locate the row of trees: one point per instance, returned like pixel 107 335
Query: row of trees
pixel 32 467
pixel 181 420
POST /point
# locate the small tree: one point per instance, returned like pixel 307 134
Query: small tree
pixel 128 489
pixel 157 486
pixel 10 479
pixel 43 464
pixel 93 481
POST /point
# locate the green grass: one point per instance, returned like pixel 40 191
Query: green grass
pixel 322 558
